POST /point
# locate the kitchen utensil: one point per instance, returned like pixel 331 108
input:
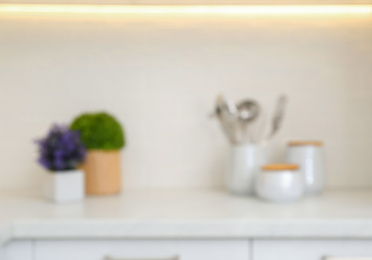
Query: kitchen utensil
pixel 310 157
pixel 277 119
pixel 113 258
pixel 280 183
pixel 247 112
pixel 230 105
pixel 225 112
pixel 258 128
pixel 231 118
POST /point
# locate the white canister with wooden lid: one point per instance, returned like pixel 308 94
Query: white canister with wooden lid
pixel 280 183
pixel 309 155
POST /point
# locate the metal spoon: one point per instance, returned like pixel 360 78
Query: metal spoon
pixel 247 112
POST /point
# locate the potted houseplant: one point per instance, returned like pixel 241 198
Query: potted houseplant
pixel 61 152
pixel 103 137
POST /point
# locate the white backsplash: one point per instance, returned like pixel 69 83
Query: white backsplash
pixel 160 76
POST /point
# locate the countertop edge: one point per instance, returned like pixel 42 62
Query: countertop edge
pixel 341 229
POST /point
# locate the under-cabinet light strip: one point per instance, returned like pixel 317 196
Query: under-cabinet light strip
pixel 195 9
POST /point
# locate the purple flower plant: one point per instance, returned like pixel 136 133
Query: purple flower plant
pixel 61 149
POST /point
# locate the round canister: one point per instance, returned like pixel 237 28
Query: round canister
pixel 309 156
pixel 280 183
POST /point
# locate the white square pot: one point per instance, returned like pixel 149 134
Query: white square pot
pixel 64 186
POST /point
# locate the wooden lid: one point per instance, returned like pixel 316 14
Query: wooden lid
pixel 305 143
pixel 280 167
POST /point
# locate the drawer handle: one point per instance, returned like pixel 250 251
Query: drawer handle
pixel 346 258
pixel 113 258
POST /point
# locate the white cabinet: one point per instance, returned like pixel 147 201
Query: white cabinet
pixel 18 250
pixel 142 249
pixel 188 249
pixel 310 249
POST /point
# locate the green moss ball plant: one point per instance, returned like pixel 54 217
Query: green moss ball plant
pixel 99 131
pixel 103 137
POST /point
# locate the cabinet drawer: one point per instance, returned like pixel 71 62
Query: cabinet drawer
pixel 142 249
pixel 17 250
pixel 310 249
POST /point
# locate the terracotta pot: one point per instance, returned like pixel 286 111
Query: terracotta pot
pixel 102 172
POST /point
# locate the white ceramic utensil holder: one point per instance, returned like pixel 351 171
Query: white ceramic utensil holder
pixel 244 164
pixel 280 183
pixel 310 157
pixel 64 186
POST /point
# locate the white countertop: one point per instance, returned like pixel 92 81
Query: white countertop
pixel 186 214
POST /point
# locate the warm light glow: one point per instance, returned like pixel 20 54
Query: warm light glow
pixel 146 9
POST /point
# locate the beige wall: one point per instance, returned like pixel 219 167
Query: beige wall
pixel 160 76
